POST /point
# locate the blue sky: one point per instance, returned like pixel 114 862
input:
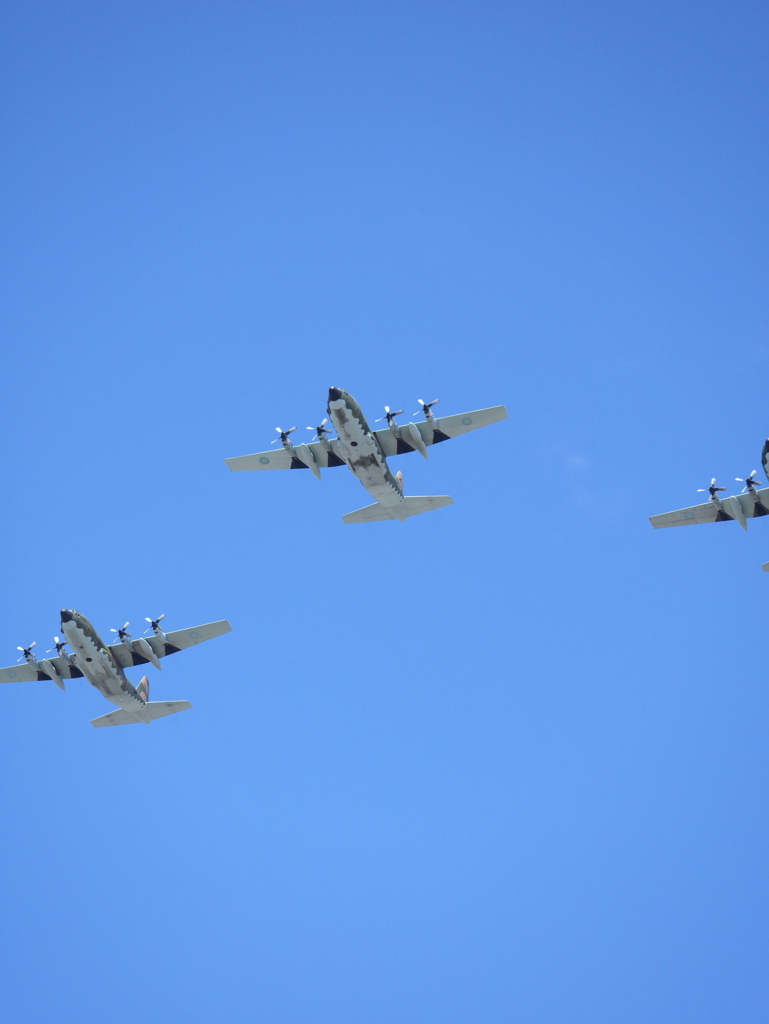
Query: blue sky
pixel 505 762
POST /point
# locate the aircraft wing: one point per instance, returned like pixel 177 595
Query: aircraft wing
pixel 27 673
pixel 446 427
pixel 125 654
pixel 738 506
pixel 281 459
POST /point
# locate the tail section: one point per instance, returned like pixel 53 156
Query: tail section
pixel 403 510
pixel 146 714
pixel 143 689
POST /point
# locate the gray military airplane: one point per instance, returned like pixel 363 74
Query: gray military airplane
pixel 750 504
pixel 103 665
pixel 365 452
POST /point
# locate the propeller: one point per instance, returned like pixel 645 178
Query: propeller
pixel 321 430
pixel 389 415
pixel 712 489
pixel 155 623
pixel 749 481
pixel 426 406
pixel 26 651
pixel 283 435
pixel 60 645
pixel 123 633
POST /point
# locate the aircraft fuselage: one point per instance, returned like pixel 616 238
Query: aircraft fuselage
pixel 94 659
pixel 361 451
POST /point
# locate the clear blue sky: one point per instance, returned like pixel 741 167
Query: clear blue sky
pixel 507 762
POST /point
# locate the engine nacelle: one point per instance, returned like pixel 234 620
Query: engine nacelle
pixel 304 453
pixel 50 670
pixel 410 434
pixel 141 646
pixel 733 508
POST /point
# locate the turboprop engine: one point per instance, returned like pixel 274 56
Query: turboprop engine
pixel 283 438
pixel 155 624
pixel 301 451
pixel 427 409
pixel 44 665
pixel 749 481
pixel 320 433
pixel 390 415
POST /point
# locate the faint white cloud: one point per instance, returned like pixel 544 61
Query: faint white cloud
pixel 577 463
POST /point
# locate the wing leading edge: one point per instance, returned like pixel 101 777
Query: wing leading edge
pixel 126 655
pixel 445 428
pixel 739 506
pixel 27 673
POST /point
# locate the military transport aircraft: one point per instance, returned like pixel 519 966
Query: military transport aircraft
pixel 103 665
pixel 365 451
pixel 751 503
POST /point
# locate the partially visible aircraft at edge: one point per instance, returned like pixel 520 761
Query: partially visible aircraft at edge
pixel 103 665
pixel 365 452
pixel 751 503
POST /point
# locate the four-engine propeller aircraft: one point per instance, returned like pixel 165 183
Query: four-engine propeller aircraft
pixel 751 503
pixel 103 665
pixel 365 452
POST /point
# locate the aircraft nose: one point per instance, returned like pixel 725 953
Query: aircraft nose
pixel 334 394
pixel 67 615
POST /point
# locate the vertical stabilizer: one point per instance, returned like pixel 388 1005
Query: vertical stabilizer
pixel 143 689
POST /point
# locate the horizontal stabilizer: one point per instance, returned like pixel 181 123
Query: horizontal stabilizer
pixel 146 714
pixel 408 507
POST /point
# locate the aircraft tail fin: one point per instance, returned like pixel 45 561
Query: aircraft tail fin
pixel 146 714
pixel 412 506
pixel 143 689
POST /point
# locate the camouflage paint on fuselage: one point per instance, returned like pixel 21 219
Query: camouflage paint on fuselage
pixel 94 659
pixel 362 452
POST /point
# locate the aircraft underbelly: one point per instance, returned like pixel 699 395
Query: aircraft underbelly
pixel 96 665
pixel 363 455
